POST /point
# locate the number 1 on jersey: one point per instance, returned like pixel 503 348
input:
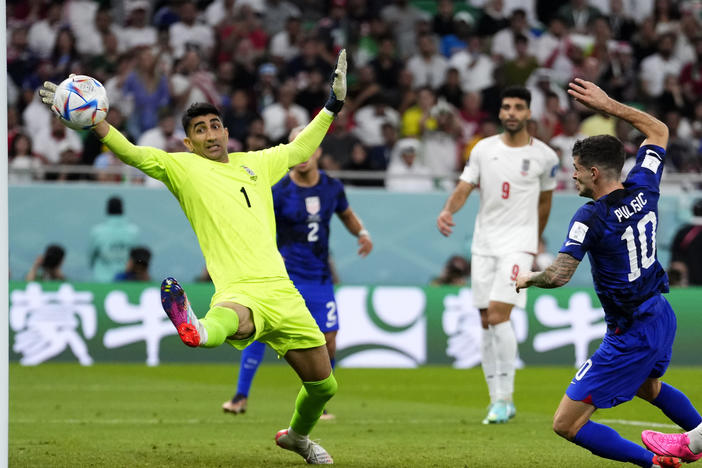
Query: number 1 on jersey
pixel 246 195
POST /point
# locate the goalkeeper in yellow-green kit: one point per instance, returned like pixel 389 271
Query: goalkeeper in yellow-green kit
pixel 228 200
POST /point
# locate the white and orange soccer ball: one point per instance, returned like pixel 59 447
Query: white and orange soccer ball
pixel 80 101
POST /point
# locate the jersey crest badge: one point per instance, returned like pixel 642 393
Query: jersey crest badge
pixel 312 205
pixel 525 167
pixel 251 173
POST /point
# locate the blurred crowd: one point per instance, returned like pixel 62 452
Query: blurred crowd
pixel 424 83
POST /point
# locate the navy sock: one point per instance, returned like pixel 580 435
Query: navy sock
pixel 605 442
pixel 333 363
pixel 251 358
pixel 677 407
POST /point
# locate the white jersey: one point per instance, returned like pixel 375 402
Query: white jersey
pixel 510 181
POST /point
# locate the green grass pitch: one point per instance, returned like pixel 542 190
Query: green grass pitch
pixel 64 415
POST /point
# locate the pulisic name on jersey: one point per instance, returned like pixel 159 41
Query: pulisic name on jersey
pixel 634 206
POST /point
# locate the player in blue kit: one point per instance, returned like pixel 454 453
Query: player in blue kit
pixel 617 230
pixel 304 202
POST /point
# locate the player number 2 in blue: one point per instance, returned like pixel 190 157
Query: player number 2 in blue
pixel 331 314
pixel 312 235
pixel 647 258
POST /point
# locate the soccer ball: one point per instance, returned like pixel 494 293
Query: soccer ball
pixel 80 102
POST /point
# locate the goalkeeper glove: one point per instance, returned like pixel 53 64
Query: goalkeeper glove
pixel 47 93
pixel 337 93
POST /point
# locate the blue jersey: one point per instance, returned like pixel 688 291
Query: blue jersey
pixel 618 233
pixel 302 216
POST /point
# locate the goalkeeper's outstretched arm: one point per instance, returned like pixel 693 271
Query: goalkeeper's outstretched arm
pixel 305 144
pixel 118 143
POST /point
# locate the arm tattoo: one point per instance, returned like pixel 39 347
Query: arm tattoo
pixel 557 274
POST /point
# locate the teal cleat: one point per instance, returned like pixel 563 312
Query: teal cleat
pixel 498 413
pixel 511 410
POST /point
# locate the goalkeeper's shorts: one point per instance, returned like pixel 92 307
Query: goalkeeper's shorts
pixel 279 313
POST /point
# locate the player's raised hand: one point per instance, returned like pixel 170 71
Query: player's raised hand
pixel 365 245
pixel 445 222
pixel 589 94
pixel 47 93
pixel 337 93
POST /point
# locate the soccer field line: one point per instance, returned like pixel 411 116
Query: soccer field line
pixel 224 420
pixel 638 423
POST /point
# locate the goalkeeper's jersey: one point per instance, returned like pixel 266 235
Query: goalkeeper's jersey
pixel 229 205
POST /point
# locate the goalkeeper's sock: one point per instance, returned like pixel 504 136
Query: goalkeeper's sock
pixel 488 358
pixel 605 442
pixel 251 358
pixel 219 323
pixel 505 353
pixel 677 407
pixel 311 399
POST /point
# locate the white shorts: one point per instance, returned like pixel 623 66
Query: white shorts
pixel 494 278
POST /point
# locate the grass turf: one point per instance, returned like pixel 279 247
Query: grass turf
pixel 64 415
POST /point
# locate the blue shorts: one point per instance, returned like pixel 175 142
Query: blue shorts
pixel 623 362
pixel 319 298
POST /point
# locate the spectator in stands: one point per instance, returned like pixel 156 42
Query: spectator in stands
pixel 681 152
pixel 54 141
pixel 312 56
pixel 687 245
pixel 64 55
pixel 493 19
pixel 370 118
pixel 386 64
pixel 475 68
pixel 137 31
pixel 619 79
pixel 418 118
pixel 563 142
pixel 42 33
pixel 47 267
pixel 189 32
pixel 516 71
pixel 24 165
pixel 451 90
pixel 283 115
pixel 91 36
pixel 656 66
pixel 238 115
pixel 137 267
pixel 167 135
pixel 147 87
pixel 110 242
pixel 286 44
pixel 380 155
pixel 192 82
pixel 622 25
pixel 471 113
pixel 21 60
pixel 428 67
pixel 402 17
pixel 691 74
pixel 455 272
pixel 439 146
pixel 365 87
pixel 577 15
pixel 503 43
pixel 313 91
pixel 338 143
pixel 275 14
pixel 360 161
pixel 406 172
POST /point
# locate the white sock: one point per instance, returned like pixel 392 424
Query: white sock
pixel 192 318
pixel 297 438
pixel 488 358
pixel 506 353
pixel 695 436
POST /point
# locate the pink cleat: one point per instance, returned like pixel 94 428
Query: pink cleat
pixel 671 445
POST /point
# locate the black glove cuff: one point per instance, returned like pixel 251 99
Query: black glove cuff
pixel 333 104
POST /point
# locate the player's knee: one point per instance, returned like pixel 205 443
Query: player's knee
pixel 563 428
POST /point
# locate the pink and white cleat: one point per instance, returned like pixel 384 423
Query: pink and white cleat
pixel 311 451
pixel 671 445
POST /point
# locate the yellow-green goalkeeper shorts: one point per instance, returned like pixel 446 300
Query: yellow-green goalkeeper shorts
pixel 279 313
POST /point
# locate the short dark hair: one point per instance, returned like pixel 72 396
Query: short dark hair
pixel 53 256
pixel 197 109
pixel 602 151
pixel 141 255
pixel 114 206
pixel 519 92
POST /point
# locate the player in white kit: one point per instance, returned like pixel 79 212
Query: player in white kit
pixel 515 175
